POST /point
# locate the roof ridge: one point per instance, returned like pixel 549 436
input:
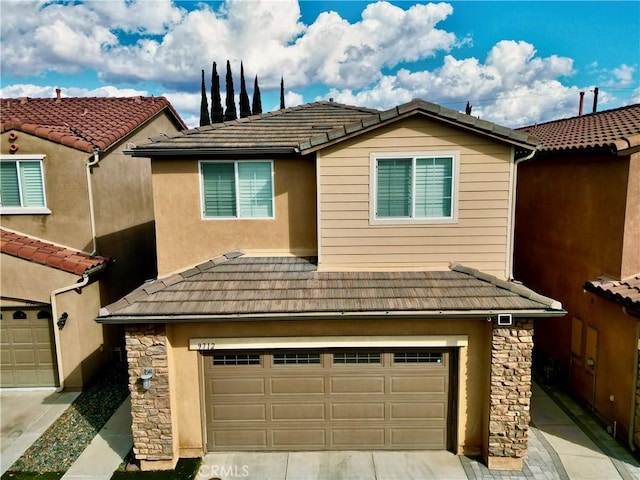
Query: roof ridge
pixel 513 287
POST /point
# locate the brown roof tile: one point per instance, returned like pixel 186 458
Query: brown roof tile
pixel 83 122
pixel 306 128
pixel 625 292
pixel 44 253
pixel 257 286
pixel 616 129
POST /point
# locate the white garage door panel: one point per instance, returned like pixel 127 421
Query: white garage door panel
pixel 318 401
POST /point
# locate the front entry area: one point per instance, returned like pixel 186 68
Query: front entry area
pixel 296 400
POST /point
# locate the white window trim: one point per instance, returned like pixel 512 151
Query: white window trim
pixel 237 186
pixel 14 158
pixel 373 191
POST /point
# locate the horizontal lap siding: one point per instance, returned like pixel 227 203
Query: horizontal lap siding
pixel 479 238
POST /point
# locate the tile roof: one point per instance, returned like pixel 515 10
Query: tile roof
pixel 234 286
pixel 616 129
pixel 306 128
pixel 625 292
pixel 49 254
pixel 82 123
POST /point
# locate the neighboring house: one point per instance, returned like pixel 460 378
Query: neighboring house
pixel 331 278
pixel 77 229
pixel 578 240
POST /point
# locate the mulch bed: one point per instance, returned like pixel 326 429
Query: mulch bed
pixel 63 442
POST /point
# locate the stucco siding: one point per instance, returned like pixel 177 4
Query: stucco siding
pixel 185 238
pixel 479 236
pixel 66 194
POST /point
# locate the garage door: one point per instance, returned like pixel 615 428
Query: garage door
pixel 329 400
pixel 26 348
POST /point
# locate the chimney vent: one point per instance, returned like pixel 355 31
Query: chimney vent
pixel 595 99
pixel 58 91
pixel 581 104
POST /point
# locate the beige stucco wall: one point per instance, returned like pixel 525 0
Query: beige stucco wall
pixel 577 219
pixel 480 236
pixel 473 371
pixel 66 193
pixel 82 340
pixel 185 239
pixel 631 242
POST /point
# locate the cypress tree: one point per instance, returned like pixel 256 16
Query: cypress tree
pixel 257 101
pixel 245 108
pixel 230 113
pixel 204 105
pixel 282 93
pixel 217 115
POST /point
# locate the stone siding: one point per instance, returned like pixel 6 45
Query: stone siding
pixel 510 391
pixel 150 409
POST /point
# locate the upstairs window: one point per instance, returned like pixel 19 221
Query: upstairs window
pixel 22 185
pixel 416 187
pixel 238 189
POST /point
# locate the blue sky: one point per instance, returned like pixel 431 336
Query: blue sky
pixel 516 62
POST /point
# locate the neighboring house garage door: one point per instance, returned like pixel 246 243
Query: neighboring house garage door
pixel 329 400
pixel 27 357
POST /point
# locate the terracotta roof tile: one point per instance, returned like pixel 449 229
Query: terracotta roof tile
pixel 83 123
pixel 625 292
pixel 272 286
pixel 616 129
pixel 44 253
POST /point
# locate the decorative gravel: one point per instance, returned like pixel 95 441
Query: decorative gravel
pixel 63 442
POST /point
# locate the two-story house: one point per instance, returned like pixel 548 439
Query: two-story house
pixel 77 230
pixel 578 240
pixel 333 278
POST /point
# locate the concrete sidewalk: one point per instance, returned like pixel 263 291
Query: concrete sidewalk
pixel 106 451
pixel 26 414
pixel 565 443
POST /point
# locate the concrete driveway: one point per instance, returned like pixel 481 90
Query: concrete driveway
pixel 24 416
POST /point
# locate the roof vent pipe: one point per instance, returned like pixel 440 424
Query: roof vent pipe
pixel 58 91
pixel 581 104
pixel 595 99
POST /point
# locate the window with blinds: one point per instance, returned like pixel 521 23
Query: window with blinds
pixel 237 189
pixel 416 187
pixel 21 185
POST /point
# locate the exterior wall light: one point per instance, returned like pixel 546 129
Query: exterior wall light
pixel 146 378
pixel 62 320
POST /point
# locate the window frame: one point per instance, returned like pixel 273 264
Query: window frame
pixel 374 157
pixel 22 210
pixel 235 163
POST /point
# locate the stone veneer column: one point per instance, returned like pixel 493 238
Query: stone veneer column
pixel 510 395
pixel 150 409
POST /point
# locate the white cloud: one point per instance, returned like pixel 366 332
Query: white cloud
pixel 623 76
pixel 513 87
pixel 170 45
pixel 39 91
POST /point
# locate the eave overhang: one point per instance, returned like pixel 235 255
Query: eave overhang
pixel 487 315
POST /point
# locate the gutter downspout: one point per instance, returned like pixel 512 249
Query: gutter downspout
pixel 92 216
pixel 56 330
pixel 634 391
pixel 513 184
